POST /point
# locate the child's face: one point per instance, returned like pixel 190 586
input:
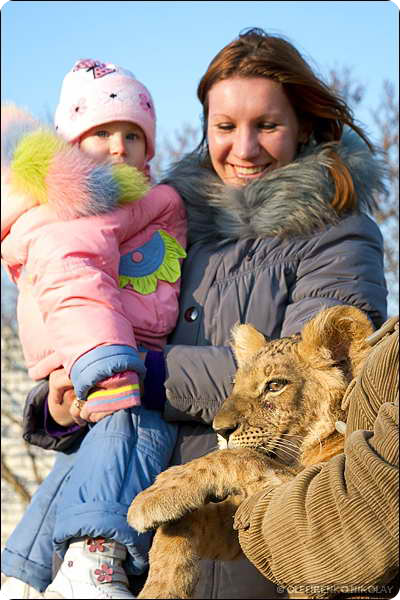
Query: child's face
pixel 116 142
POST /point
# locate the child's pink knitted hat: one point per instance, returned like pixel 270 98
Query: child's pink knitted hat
pixel 94 93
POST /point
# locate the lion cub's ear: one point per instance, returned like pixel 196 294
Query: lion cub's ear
pixel 342 330
pixel 246 341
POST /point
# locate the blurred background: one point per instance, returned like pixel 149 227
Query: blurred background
pixel 353 46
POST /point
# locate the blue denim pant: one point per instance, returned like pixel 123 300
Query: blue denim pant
pixel 88 493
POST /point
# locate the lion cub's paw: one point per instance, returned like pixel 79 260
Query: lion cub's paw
pixel 168 499
pixel 150 509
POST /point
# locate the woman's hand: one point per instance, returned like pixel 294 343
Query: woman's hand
pixel 61 399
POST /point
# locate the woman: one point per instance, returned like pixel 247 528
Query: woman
pixel 277 196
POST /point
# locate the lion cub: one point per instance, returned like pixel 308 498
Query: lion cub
pixel 279 418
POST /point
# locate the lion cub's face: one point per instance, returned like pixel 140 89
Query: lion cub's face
pixel 287 393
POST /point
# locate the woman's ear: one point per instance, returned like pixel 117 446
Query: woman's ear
pixel 305 132
pixel 304 135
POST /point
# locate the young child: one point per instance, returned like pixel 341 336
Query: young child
pixel 96 256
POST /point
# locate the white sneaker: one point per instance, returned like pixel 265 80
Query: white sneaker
pixel 17 589
pixel 92 568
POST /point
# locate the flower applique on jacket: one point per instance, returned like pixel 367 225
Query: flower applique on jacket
pixel 157 259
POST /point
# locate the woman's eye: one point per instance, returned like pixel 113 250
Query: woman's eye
pixel 268 126
pixel 225 126
pixel 275 385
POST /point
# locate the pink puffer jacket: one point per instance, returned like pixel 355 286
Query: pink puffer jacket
pixel 92 288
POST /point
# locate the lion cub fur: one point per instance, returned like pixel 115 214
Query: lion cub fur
pixel 279 418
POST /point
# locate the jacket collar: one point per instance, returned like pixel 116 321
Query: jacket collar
pixel 291 201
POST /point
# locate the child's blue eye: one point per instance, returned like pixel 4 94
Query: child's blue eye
pixel 132 136
pixel 101 133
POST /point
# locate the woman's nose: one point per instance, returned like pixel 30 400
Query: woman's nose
pixel 245 145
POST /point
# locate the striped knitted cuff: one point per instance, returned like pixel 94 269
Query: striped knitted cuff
pixel 112 394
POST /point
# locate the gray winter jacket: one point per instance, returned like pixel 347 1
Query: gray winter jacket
pixel 272 254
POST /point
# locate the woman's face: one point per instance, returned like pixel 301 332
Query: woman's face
pixel 252 129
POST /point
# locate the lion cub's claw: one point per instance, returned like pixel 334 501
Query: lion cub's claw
pixel 153 507
pixel 148 511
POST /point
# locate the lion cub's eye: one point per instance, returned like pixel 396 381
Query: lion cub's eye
pixel 275 385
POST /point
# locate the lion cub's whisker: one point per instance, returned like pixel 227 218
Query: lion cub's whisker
pixel 285 452
pixel 292 435
pixel 281 444
pixel 281 449
pixel 289 443
pixel 262 435
pixel 293 447
pixel 284 444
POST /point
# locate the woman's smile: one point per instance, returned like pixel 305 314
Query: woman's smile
pixel 251 172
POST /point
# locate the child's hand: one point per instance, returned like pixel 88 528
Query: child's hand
pixel 61 399
pixel 94 417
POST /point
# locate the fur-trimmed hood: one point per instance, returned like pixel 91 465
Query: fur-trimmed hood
pixel 291 201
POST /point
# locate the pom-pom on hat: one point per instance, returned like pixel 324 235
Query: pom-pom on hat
pixel 94 93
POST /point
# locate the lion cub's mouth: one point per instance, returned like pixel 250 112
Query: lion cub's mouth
pixel 276 450
pixel 222 442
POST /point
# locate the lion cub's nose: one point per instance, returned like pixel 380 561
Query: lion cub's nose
pixel 226 420
pixel 225 432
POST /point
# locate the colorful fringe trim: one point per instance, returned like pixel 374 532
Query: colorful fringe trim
pixel 41 164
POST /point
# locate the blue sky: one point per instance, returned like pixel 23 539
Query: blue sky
pixel 168 45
